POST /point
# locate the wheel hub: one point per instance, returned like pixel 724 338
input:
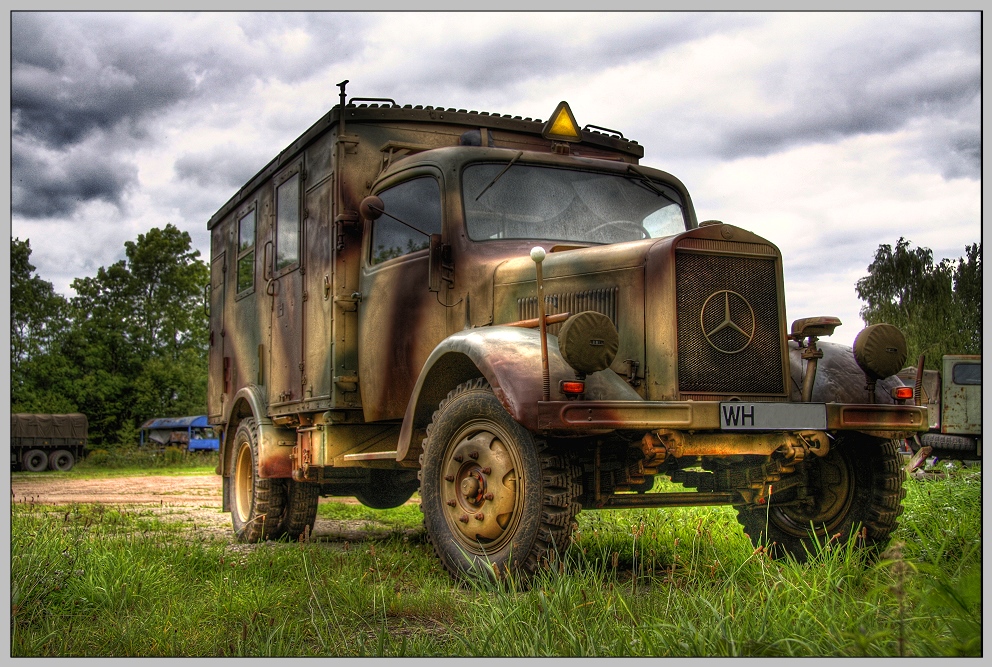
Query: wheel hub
pixel 479 487
pixel 243 487
pixel 832 490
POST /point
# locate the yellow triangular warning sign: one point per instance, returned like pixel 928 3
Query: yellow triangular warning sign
pixel 562 126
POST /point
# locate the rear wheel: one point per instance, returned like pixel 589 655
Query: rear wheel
pixel 34 460
pixel 494 500
pixel 857 486
pixel 299 507
pixel 256 504
pixel 61 459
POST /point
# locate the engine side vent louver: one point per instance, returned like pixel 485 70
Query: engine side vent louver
pixel 600 300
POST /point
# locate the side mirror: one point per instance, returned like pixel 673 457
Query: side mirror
pixel 434 263
pixel 371 208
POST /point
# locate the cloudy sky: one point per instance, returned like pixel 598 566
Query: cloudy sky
pixel 827 133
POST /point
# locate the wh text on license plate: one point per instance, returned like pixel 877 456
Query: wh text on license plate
pixel 740 416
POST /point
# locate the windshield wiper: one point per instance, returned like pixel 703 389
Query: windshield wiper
pixel 646 181
pixel 499 175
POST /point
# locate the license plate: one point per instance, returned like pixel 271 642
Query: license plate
pixel 740 416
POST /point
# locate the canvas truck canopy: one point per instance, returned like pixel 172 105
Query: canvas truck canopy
pixel 48 426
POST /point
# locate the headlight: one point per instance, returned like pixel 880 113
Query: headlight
pixel 880 350
pixel 588 342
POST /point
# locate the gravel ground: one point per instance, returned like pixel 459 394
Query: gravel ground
pixel 195 499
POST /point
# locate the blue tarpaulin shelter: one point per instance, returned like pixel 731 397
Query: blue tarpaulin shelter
pixel 193 433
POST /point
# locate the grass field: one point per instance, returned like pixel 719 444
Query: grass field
pixel 92 580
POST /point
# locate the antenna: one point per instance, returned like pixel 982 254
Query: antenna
pixel 538 254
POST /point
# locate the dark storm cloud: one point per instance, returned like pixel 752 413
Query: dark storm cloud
pixel 878 80
pixel 45 184
pixel 105 78
pixel 69 79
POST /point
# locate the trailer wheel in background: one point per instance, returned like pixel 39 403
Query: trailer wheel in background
pixel 856 487
pixel 256 504
pixel 62 460
pixel 495 501
pixel 34 460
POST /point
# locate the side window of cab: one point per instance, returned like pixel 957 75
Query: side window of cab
pixel 417 203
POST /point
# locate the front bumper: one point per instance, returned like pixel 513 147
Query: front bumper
pixel 888 421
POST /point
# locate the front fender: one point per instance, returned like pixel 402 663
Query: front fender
pixel 509 358
pixel 838 377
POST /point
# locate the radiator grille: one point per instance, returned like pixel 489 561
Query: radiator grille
pixel 600 300
pixel 715 357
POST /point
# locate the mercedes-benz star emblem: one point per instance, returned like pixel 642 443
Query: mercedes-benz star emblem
pixel 727 321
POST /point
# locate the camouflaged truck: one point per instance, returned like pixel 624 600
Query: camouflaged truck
pixel 520 321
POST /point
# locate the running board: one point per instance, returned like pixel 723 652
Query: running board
pixel 670 499
pixel 371 456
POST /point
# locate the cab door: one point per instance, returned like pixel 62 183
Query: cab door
pixel 961 398
pixel 400 320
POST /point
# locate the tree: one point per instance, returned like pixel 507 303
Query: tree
pixel 38 323
pixel 139 337
pixel 131 345
pixel 937 306
pixel 968 294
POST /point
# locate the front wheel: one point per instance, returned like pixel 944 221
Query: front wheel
pixel 494 499
pixel 856 487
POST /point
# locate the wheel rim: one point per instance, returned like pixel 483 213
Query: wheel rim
pixel 35 460
pixel 243 486
pixel 832 487
pixel 481 487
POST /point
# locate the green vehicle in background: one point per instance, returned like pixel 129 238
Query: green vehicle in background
pixel 953 397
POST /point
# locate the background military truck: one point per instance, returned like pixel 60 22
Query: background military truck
pixel 46 442
pixel 953 397
pixel 521 321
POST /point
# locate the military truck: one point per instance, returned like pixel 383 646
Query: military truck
pixel 46 442
pixel 519 320
pixel 953 397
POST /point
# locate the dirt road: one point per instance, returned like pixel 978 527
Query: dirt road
pixel 157 490
pixel 195 499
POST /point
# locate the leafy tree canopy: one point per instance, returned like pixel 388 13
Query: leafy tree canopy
pixel 938 306
pixel 131 345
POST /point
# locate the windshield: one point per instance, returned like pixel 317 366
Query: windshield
pixel 519 201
